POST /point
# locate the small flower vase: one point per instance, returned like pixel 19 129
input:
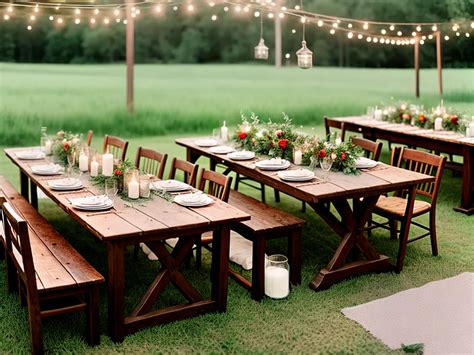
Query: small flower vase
pixel 314 163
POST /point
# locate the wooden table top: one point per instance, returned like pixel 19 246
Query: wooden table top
pixel 445 136
pixel 383 178
pixel 154 219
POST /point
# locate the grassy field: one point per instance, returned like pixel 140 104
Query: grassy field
pixel 180 100
pixel 190 98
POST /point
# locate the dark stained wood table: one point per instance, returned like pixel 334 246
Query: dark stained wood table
pixel 439 141
pixel 150 223
pixel 339 189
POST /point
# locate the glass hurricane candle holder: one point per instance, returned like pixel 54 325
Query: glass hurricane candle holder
pixel 144 186
pixel 305 57
pixel 277 276
pixel 261 50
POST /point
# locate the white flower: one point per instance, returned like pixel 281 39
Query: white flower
pixel 75 140
pixel 333 156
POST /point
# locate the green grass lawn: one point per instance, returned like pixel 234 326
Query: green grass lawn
pixel 175 100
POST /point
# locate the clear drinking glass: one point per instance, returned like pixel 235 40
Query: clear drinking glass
pixel 71 161
pixel 216 134
pixel 326 164
pixel 370 112
pixel 111 188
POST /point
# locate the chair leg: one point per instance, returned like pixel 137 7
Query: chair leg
pixel 303 207
pixel 198 255
pixel 277 195
pixel 262 191
pixel 12 276
pixel 36 332
pixel 258 268
pixel 237 181
pixel 93 322
pixel 402 248
pixel 393 229
pixel 434 243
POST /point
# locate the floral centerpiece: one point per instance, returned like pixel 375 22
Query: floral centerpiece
pixel 65 143
pixel 120 169
pixel 280 139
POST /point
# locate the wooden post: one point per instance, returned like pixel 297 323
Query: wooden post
pixel 439 64
pixel 130 51
pixel 417 66
pixel 277 35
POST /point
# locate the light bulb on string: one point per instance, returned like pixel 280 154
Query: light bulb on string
pixel 320 23
pixel 246 9
pixel 350 35
pixel 287 56
pixel 375 40
pixel 383 31
pixel 418 28
pixel 226 8
pixel 92 21
pixel 36 9
pixel 430 36
pixel 10 9
pixel 399 33
pixel 270 15
pixel 369 39
pixel 365 26
pixel 472 25
pixel 175 8
pixel 434 28
pixel 256 14
pixel 29 28
pixel 423 38
pixel 458 34
pixel 77 21
pixel 382 40
pixel 261 50
pixel 392 41
pixel 281 15
pixel 305 56
pixel 422 42
pixel 332 31
pixel 6 17
pixel 360 36
pixel 335 25
pixel 57 7
pixel 413 34
pixel 60 21
pixel 293 31
pixel 349 25
pixel 190 8
pixel 455 27
pixel 446 38
pixel 77 11
pixel 117 12
pixel 212 4
pixel 467 34
pixel 51 18
pixel 32 17
pixel 117 20
pixel 106 21
pixel 96 11
pixel 392 27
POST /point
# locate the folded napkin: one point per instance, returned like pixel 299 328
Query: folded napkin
pixel 194 197
pixel 65 182
pixel 91 200
pixel 46 168
pixel 30 154
pixel 273 162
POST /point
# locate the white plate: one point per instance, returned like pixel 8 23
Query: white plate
pixel 272 162
pixel 30 155
pixel 221 149
pixel 183 200
pixel 47 169
pixel 92 203
pixel 285 165
pixel 65 184
pixel 94 208
pixel 365 163
pixel 170 186
pixel 241 155
pixel 205 142
pixel 296 175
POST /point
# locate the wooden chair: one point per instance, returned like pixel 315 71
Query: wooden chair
pixel 329 123
pixel 371 148
pixel 397 207
pixel 189 169
pixel 217 185
pixel 116 146
pixel 151 161
pixel 45 289
pixel 89 137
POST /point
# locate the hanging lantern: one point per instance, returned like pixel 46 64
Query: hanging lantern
pixel 261 50
pixel 305 57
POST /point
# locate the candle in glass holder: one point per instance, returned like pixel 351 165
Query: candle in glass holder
pixel 133 189
pixel 298 157
pixel 107 164
pixel 48 147
pixel 438 124
pixel 144 186
pixel 378 114
pixel 277 277
pixel 94 168
pixel 83 162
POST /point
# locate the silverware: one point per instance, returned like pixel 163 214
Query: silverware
pixel 101 213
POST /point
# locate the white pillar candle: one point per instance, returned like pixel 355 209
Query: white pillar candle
pixel 438 125
pixel 277 282
pixel 224 133
pixel 107 164
pixel 83 162
pixel 298 158
pixel 94 168
pixel 133 189
pixel 338 141
pixel 378 114
pixel 47 147
pixel 471 129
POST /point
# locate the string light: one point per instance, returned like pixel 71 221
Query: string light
pixel 212 4
pixel 256 14
pixel 418 28
pixel 32 17
pixel 51 18
pixel 261 50
pixel 175 8
pixel 77 12
pixel 57 7
pixel 360 36
pixel 383 31
pixel 96 11
pixel 335 25
pixel 281 15
pixel 349 25
pixel 430 36
pixel 382 40
pixel 422 42
pixel 92 21
pixel 413 34
pixel 77 21
pixel 270 15
pixel 434 28
pixel 190 8
pixel 467 34
pixel 214 17
pixel 455 27
pixel 350 35
pixel 36 9
pixel 399 33
pixel 29 28
pixel 366 26
pixel 472 25
pixel 117 11
pixel 287 55
pixel 446 38
pixel 392 27
pixel 60 21
pixel 458 34
pixel 293 31
pixel 225 8
pixel 333 31
pixel 10 9
pixel 6 17
pixel 369 39
pixel 106 21
pixel 376 39
pixel 320 23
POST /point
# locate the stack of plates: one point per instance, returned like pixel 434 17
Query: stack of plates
pixel 68 184
pixel 170 186
pixel 92 203
pixel 221 149
pixel 364 163
pixel 30 154
pixel 195 199
pixel 296 175
pixel 273 164
pixel 241 155
pixel 47 169
pixel 205 142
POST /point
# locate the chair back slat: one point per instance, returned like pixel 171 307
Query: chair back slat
pixel 188 169
pixel 151 162
pixel 116 146
pixel 90 134
pixel 371 148
pixel 328 123
pixel 424 163
pixel 218 184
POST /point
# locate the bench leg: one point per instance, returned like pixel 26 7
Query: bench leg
pixel 36 332
pixel 93 323
pixel 277 195
pixel 34 195
pixel 294 256
pixel 258 268
pixel 12 276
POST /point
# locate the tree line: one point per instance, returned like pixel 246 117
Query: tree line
pixel 178 37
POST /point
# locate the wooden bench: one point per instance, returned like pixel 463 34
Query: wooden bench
pixel 46 271
pixel 266 223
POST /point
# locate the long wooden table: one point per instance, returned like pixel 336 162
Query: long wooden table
pixel 439 141
pixel 339 189
pixel 150 223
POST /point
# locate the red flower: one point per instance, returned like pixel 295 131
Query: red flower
pixel 406 116
pixel 117 172
pixel 454 119
pixel 279 133
pixel 422 118
pixel 66 147
pixel 243 135
pixel 343 156
pixel 283 143
pixel 322 153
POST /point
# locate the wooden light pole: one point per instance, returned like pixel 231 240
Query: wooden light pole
pixel 277 36
pixel 439 63
pixel 417 66
pixel 130 55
